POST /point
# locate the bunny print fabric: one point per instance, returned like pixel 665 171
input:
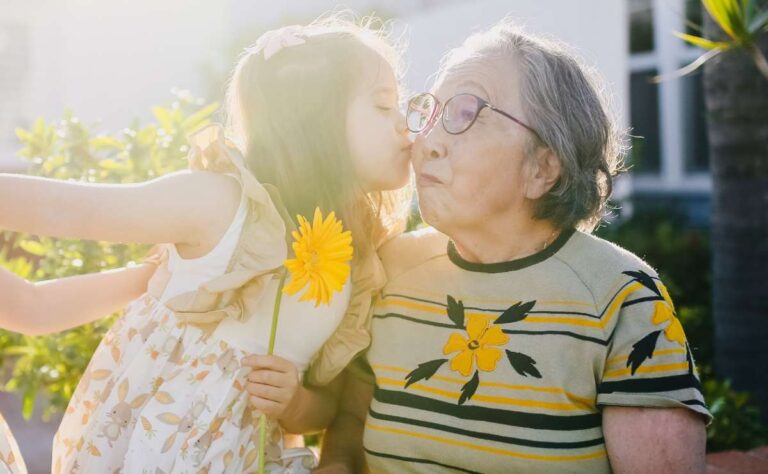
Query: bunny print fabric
pixel 162 396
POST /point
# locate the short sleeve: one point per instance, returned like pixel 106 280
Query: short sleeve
pixel 649 361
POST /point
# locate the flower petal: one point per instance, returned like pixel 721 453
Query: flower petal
pixel 661 313
pixel 462 363
pixel 665 294
pixel 487 358
pixel 494 336
pixel 322 252
pixel 675 333
pixel 455 343
pixel 476 326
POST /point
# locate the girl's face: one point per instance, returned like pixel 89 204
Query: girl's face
pixel 376 131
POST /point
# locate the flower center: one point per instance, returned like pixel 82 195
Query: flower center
pixel 473 344
pixel 312 260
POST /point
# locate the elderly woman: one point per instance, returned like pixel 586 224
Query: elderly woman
pixel 510 339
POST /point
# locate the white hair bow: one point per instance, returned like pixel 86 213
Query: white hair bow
pixel 271 42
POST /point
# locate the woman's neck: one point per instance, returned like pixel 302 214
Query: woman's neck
pixel 503 240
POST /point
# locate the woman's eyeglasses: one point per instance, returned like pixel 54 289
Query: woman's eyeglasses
pixel 457 115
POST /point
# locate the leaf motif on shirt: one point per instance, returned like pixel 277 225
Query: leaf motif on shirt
pixel 469 388
pixel 523 364
pixel 642 350
pixel 646 280
pixel 516 312
pixel 424 371
pixel 456 311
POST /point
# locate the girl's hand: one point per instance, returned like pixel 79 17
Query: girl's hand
pixel 273 384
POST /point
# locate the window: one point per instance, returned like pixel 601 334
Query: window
pixel 668 119
pixel 644 98
pixel 640 26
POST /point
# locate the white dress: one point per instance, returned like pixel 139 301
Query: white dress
pixel 11 461
pixel 163 395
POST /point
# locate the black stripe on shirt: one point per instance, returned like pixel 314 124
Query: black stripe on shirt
pixel 417 460
pixel 491 415
pixel 489 436
pixel 485 310
pixel 695 402
pixel 659 384
pixel 506 331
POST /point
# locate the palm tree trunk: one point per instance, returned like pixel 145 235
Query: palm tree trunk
pixel 736 95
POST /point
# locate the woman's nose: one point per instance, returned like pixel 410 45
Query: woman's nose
pixel 432 147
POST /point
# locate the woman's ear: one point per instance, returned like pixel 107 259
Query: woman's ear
pixel 545 169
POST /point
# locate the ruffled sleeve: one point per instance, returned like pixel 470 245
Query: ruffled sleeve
pixel 261 248
pixel 353 335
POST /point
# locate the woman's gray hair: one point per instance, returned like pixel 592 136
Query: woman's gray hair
pixel 566 103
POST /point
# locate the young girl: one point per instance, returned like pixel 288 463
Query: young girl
pixel 315 112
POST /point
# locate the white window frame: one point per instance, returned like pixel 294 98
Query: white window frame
pixel 667 57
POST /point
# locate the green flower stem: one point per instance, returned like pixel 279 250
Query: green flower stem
pixel 271 348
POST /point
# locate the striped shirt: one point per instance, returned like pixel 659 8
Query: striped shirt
pixel 503 367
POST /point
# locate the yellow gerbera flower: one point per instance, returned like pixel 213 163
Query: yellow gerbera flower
pixel 665 311
pixel 476 349
pixel 323 250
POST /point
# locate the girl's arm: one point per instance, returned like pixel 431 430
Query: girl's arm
pixel 50 306
pixel 192 208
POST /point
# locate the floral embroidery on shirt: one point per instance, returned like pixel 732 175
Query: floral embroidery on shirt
pixel 663 313
pixel 479 348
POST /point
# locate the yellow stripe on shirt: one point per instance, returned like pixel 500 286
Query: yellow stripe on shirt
pixel 584 401
pixel 486 398
pixel 647 369
pixel 538 319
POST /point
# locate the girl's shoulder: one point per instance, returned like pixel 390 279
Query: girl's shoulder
pixel 260 244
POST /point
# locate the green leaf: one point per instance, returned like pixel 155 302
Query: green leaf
pixel 424 371
pixel 646 280
pixel 23 135
pixel 703 42
pixel 748 7
pixel 105 142
pixel 469 388
pixel 19 350
pixel 697 63
pixel 163 117
pixel 456 312
pixel 642 350
pixel 516 312
pixel 523 364
pixel 28 403
pixel 759 22
pixel 33 247
pixel 114 165
pixel 39 127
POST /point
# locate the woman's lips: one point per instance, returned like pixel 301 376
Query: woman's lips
pixel 428 180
